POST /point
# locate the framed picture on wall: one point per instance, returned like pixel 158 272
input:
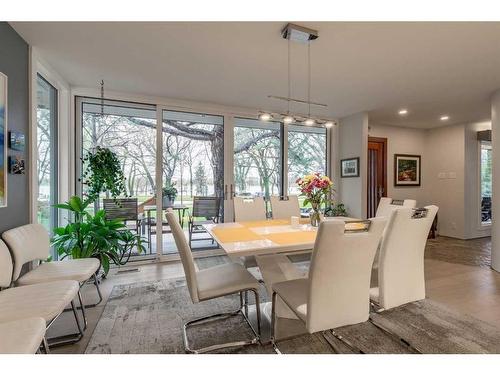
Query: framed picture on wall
pixel 406 170
pixel 3 140
pixel 17 141
pixel 349 167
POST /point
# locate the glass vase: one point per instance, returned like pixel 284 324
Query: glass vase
pixel 314 215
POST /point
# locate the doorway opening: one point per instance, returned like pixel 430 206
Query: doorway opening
pixel 377 173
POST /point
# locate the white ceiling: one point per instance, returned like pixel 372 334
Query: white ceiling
pixel 428 68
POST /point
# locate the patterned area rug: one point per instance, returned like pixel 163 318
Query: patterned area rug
pixel 147 318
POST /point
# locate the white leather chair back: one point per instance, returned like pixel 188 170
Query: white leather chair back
pixel 249 209
pixel 185 254
pixel 285 209
pixel 5 266
pixel 339 275
pixel 387 205
pixel 27 243
pixel 401 260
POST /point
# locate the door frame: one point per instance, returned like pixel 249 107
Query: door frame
pixel 384 154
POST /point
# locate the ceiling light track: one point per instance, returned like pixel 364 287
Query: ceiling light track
pixel 296 33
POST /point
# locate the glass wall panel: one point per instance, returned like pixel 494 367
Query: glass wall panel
pixel 485 182
pixel 129 130
pixel 193 166
pixel 306 153
pixel 46 113
pixel 257 158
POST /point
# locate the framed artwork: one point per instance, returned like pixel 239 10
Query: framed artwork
pixel 16 165
pixel 16 141
pixel 349 167
pixel 3 140
pixel 406 170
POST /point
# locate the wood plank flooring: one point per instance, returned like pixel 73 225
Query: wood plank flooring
pixel 457 274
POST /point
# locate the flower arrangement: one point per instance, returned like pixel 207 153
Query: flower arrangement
pixel 316 189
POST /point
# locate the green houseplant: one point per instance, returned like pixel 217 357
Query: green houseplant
pixel 169 192
pixel 94 236
pixel 103 173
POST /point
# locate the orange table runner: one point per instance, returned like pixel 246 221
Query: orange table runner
pixel 289 238
pixel 236 235
pixel 263 223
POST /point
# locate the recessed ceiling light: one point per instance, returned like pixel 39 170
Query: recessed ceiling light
pixel 264 117
pixel 288 119
pixel 328 124
pixel 444 118
pixel 403 112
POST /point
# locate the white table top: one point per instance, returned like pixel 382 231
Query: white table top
pixel 263 246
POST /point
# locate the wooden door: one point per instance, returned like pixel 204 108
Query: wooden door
pixel 377 173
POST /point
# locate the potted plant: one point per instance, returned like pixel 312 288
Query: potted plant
pixel 169 192
pixel 336 210
pixel 317 189
pixel 94 236
pixel 103 174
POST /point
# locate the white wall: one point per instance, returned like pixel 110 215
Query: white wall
pixel 353 142
pixel 402 141
pixel 450 173
pixel 444 171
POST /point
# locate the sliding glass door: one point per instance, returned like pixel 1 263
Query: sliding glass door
pixel 257 158
pixel 172 159
pixel 47 165
pixel 129 131
pixel 192 166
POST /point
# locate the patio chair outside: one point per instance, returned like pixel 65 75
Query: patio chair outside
pixel 206 208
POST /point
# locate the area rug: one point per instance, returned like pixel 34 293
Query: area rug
pixel 147 317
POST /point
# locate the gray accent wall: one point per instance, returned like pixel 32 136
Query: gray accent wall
pixel 14 56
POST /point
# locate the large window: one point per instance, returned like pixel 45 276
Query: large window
pixel 46 113
pixel 129 130
pixel 306 153
pixel 485 182
pixel 257 158
pixel 193 163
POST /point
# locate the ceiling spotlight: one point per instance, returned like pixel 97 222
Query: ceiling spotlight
pixel 288 119
pixel 403 112
pixel 328 124
pixel 309 122
pixel 444 118
pixel 264 117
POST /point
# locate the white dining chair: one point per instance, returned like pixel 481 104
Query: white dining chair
pixel 23 336
pixel 387 205
pixel 30 243
pixel 337 291
pixel 44 300
pixel 285 207
pixel 214 282
pixel 401 276
pixel 249 209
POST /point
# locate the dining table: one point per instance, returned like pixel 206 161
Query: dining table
pixel 271 242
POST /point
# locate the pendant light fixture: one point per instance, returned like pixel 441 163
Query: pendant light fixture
pixel 299 34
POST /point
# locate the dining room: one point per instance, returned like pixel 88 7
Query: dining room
pixel 249 188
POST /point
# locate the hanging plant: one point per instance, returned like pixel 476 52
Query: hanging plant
pixel 103 174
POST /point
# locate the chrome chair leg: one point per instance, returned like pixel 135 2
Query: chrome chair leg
pixel 66 339
pixel 215 317
pixel 82 306
pixel 342 339
pixel 273 323
pixel 45 346
pixel 395 336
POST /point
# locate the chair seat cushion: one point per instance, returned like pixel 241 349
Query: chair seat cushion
pixel 374 294
pixel 74 269
pixel 224 279
pixel 21 336
pixel 45 300
pixel 294 293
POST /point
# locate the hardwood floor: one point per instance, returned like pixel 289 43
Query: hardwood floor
pixel 457 275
